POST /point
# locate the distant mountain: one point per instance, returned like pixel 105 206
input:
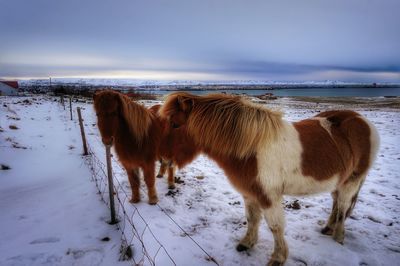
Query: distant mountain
pixel 180 83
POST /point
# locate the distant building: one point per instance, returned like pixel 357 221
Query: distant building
pixel 8 88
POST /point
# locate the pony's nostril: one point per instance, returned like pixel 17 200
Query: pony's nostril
pixel 108 141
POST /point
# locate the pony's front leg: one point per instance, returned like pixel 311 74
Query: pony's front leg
pixel 134 180
pixel 163 168
pixel 150 180
pixel 253 215
pixel 276 222
pixel 171 175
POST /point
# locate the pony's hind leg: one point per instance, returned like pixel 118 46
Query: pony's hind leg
pixel 171 175
pixel 163 168
pixel 253 215
pixel 346 200
pixel 276 223
pixel 328 229
pixel 134 180
pixel 150 180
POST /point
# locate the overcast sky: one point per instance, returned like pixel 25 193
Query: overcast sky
pixel 348 40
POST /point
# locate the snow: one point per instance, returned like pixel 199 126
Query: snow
pixel 52 213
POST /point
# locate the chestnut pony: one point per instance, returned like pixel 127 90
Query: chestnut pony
pixel 141 137
pixel 266 157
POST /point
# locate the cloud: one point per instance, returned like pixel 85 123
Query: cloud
pixel 246 66
pixel 232 39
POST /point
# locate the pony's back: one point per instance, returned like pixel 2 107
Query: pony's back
pixel 361 135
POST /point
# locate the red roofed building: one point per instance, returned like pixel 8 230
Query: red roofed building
pixel 9 88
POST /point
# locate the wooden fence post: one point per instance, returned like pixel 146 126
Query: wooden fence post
pixel 63 100
pixel 85 149
pixel 110 185
pixel 70 105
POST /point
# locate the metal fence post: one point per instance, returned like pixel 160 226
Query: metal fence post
pixel 85 149
pixel 110 185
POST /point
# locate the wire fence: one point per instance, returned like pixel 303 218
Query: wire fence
pixel 134 228
pixel 139 243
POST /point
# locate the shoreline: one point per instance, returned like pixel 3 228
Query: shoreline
pixel 324 102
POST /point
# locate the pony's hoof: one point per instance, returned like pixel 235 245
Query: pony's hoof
pixel 153 201
pixel 171 186
pixel 339 239
pixel 160 176
pixel 275 263
pixel 327 231
pixel 134 200
pixel 241 247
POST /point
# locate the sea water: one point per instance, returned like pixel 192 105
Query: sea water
pixel 326 92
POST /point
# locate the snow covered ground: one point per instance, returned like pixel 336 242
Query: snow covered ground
pixel 51 212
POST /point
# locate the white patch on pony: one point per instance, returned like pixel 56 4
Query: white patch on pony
pixel 375 141
pixel 325 124
pixel 279 167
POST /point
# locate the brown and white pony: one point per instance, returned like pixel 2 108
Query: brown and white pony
pixel 266 157
pixel 141 137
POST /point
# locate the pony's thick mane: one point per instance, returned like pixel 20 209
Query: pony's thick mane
pixel 137 117
pixel 227 125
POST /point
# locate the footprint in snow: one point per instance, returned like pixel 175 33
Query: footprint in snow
pixel 80 253
pixel 45 240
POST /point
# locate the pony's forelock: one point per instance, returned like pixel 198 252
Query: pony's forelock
pixel 172 103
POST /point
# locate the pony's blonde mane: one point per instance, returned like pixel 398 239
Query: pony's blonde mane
pixel 227 125
pixel 137 117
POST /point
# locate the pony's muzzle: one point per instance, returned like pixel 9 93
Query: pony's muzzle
pixel 108 141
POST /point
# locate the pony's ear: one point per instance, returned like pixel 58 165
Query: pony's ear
pixel 185 104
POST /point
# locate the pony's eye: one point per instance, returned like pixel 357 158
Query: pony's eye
pixel 109 114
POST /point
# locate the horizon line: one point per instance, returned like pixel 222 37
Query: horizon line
pixel 183 81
